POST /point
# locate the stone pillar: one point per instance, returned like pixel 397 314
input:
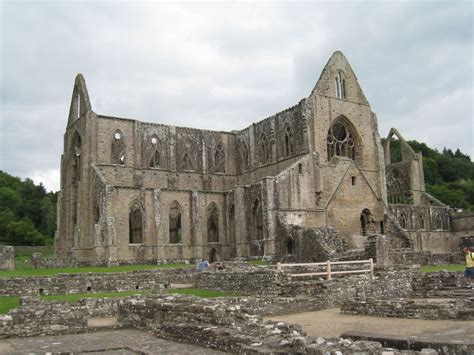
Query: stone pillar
pixel 240 222
pixel 7 258
pixel 382 248
pixel 268 215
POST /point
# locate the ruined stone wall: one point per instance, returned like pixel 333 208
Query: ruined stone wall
pixel 35 317
pixel 100 282
pixel 7 258
pixel 409 308
pixel 463 222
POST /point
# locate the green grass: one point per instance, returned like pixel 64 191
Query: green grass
pixel 434 268
pixel 202 293
pixel 86 269
pixel 8 302
pixel 257 262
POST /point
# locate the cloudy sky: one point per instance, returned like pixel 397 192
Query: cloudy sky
pixel 224 65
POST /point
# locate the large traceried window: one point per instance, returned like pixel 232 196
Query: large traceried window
pixel 340 141
pixel 118 148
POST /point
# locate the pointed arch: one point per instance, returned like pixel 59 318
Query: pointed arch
pixel 212 223
pixel 288 143
pixel 80 102
pixel 187 162
pixel 175 224
pixel 365 218
pixel 264 149
pixel 407 152
pixel 244 156
pixel 257 220
pixel 135 222
pixel 342 139
pixel 155 158
pixel 219 159
pixel 118 148
pixel 290 246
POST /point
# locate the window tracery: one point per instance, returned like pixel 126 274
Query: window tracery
pixel 155 160
pixel 135 219
pixel 340 141
pixel 340 85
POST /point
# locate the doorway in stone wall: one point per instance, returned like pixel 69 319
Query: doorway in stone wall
pixel 364 221
pixel 213 255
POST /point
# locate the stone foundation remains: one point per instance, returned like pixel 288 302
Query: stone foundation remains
pixel 7 258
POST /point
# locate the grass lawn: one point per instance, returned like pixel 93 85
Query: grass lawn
pixel 86 269
pixel 257 262
pixel 433 268
pixel 8 302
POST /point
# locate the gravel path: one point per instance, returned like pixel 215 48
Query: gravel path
pixel 330 322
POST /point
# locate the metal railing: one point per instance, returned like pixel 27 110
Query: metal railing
pixel 328 264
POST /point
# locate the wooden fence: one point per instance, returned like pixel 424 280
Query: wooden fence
pixel 328 264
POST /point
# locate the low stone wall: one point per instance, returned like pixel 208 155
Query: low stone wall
pixel 35 317
pixel 433 284
pixel 230 328
pixel 40 262
pixel 387 282
pixel 457 309
pixel 7 258
pixel 93 282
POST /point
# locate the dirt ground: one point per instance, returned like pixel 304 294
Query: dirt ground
pixel 331 323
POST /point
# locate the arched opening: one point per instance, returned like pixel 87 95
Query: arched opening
pixel 422 222
pixel 135 225
pixel 219 159
pixel 175 223
pixel 76 171
pixel 290 246
pixel 213 255
pixel 439 222
pixel 288 142
pixel 212 223
pixel 118 148
pixel 403 221
pixel 341 140
pixel 264 146
pixel 245 157
pixel 96 214
pixel 233 250
pixel 155 149
pixel 257 220
pixel 365 221
pixel 187 162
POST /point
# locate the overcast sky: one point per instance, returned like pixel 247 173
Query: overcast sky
pixel 224 65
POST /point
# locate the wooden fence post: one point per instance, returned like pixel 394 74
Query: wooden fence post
pixel 328 269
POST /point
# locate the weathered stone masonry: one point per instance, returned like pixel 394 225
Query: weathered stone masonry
pixel 140 192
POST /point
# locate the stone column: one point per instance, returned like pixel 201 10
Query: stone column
pixel 240 222
pixel 268 207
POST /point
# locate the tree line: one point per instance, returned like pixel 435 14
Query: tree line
pixel 449 176
pixel 27 212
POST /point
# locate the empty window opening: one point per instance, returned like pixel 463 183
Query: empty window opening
pixel 213 255
pixel 219 159
pixel 353 180
pixel 89 288
pixel 41 291
pixel 382 229
pixel 137 287
pixel 365 221
pixel 290 246
pixel 212 223
pixel 96 214
pixel 300 169
pixel 175 223
pixel 257 220
pixel 340 85
pixel 403 221
pixel 422 222
pixel 155 159
pixel 135 225
pixel 118 148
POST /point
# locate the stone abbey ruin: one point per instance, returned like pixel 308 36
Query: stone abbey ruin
pixel 311 181
pixel 311 189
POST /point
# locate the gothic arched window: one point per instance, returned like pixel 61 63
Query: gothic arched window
pixel 264 149
pixel 175 223
pixel 212 223
pixel 155 153
pixel 219 159
pixel 340 141
pixel 244 156
pixel 135 222
pixel 288 142
pixel 340 85
pixel 118 148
